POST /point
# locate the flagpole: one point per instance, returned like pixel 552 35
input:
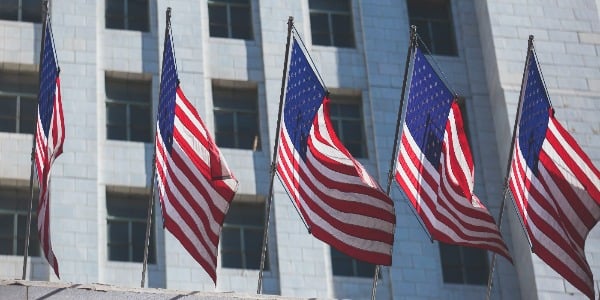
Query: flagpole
pixel 28 227
pixel 508 166
pixel 152 182
pixel 411 45
pixel 149 220
pixel 290 24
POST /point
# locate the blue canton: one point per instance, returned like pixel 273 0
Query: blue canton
pixel 48 75
pixel 304 96
pixel 534 115
pixel 168 86
pixel 427 110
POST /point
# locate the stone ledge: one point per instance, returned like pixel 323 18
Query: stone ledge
pixel 23 289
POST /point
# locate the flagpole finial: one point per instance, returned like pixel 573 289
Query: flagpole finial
pixel 413 35
pixel 168 13
pixel 531 39
pixel 290 22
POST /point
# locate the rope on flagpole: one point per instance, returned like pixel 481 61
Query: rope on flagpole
pixel 45 17
pixel 411 47
pixel 290 24
pixel 508 166
pixel 153 179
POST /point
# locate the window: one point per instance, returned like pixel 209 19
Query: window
pixel 434 25
pixel 21 10
pixel 127 14
pixel 242 235
pixel 331 23
pixel 344 265
pixel 236 116
pixel 464 265
pixel 230 19
pixel 126 225
pixel 128 110
pixel 346 118
pixel 14 203
pixel 18 99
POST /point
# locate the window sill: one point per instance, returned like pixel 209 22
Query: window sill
pixel 128 31
pixel 16 135
pixel 458 286
pixel 334 49
pixel 25 23
pixel 127 264
pixel 123 143
pixel 354 279
pixel 242 272
pixel 233 41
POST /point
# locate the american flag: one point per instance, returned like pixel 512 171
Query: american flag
pixel 341 204
pixel 554 184
pixel 194 182
pixel 49 136
pixel 435 166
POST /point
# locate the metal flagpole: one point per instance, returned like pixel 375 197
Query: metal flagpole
pixel 508 166
pixel 149 220
pixel 411 46
pixel 152 182
pixel 290 24
pixel 28 227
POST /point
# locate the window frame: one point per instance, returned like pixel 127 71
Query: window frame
pixel 429 20
pixel 18 113
pixel 330 21
pixel 25 75
pixel 461 265
pixel 354 265
pixel 260 203
pixel 139 80
pixel 229 22
pixel 241 88
pixel 15 214
pixel 126 17
pixel 37 20
pixel 354 99
pixel 242 253
pixel 120 193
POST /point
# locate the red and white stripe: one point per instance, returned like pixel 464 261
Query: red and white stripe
pixel 560 205
pixel 342 205
pixel 47 149
pixel 444 198
pixel 195 185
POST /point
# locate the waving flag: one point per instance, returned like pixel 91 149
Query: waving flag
pixel 554 184
pixel 194 182
pixel 49 136
pixel 342 205
pixel 435 167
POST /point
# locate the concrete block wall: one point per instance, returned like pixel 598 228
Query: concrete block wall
pixel 566 41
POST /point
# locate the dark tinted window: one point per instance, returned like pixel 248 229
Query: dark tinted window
pixel 346 118
pixel 236 117
pixel 464 265
pixel 344 265
pixel 14 204
pixel 242 236
pixel 433 19
pixel 127 14
pixel 230 19
pixel 128 109
pixel 331 23
pixel 21 10
pixel 126 226
pixel 18 99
